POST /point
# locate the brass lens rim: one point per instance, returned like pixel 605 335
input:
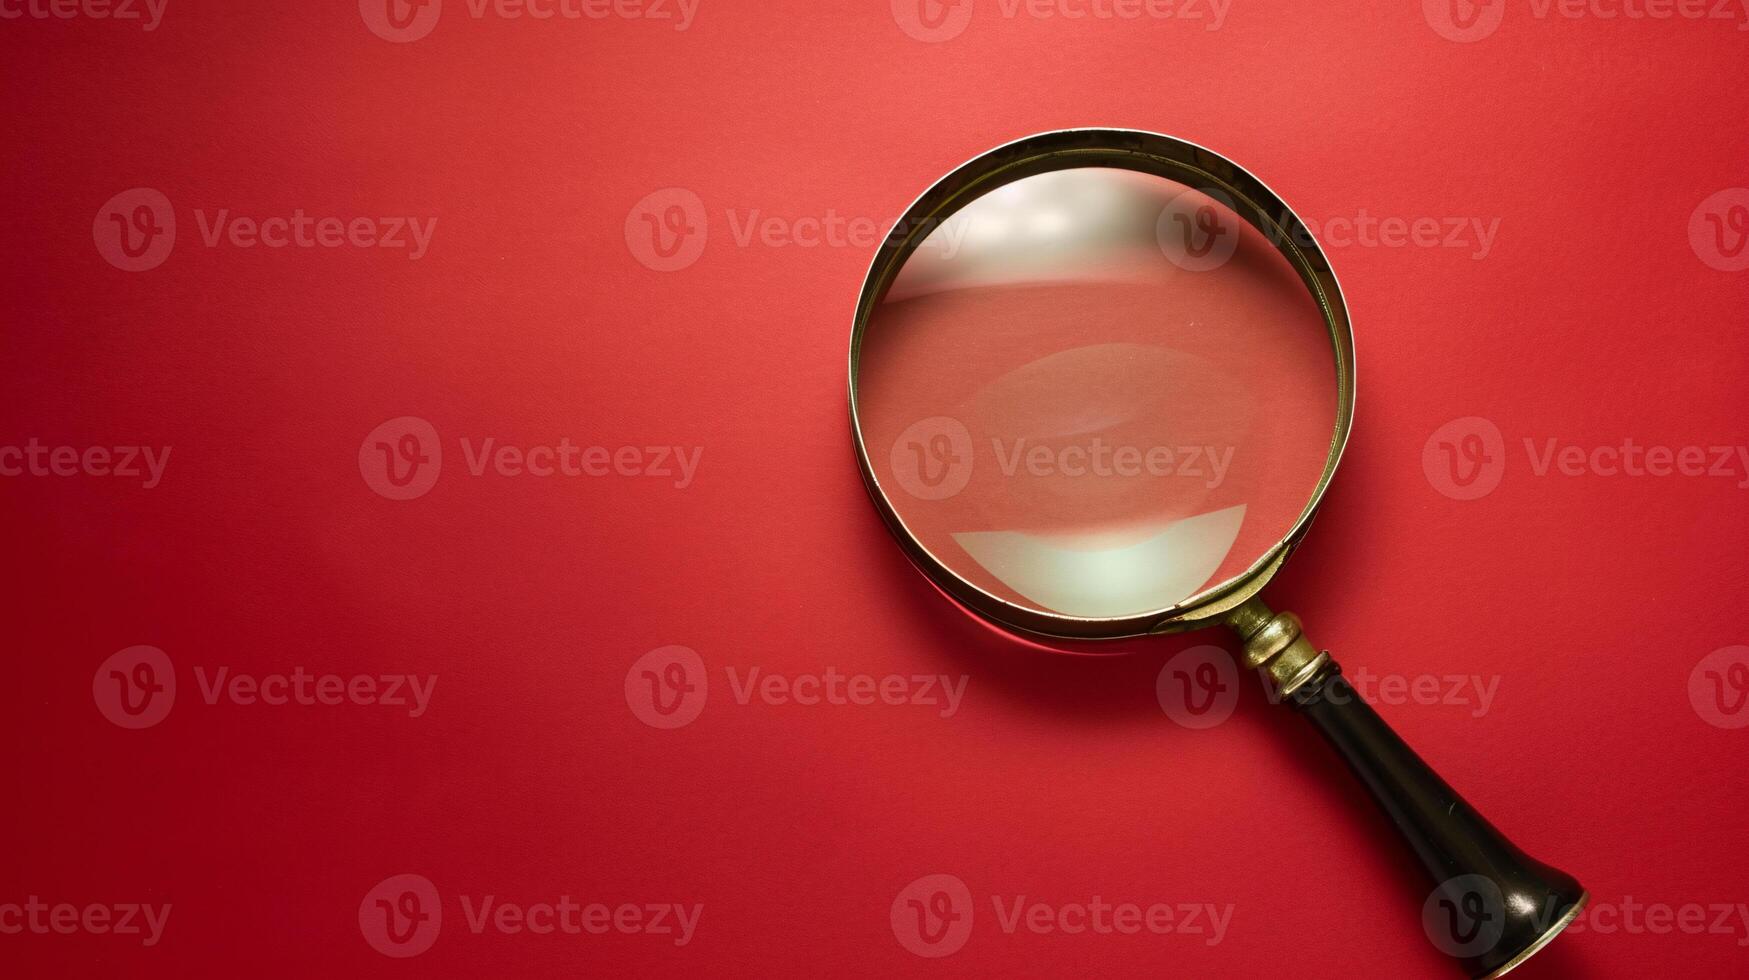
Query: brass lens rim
pixel 1164 156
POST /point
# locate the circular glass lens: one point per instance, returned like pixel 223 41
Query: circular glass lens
pixel 1097 393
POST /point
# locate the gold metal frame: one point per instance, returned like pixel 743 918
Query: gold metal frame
pixel 1162 156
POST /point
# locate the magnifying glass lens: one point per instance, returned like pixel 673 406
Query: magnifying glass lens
pixel 1095 402
pixel 1097 393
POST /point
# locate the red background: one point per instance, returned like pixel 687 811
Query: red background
pixel 1591 598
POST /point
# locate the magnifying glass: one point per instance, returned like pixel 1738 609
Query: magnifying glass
pixel 1099 382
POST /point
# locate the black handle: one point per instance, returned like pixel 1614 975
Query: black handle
pixel 1492 905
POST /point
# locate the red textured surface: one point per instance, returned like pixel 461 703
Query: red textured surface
pixel 1591 600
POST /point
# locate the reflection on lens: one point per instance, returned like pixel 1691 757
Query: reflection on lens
pixel 1097 393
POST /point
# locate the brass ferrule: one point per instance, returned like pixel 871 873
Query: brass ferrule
pixel 1275 643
